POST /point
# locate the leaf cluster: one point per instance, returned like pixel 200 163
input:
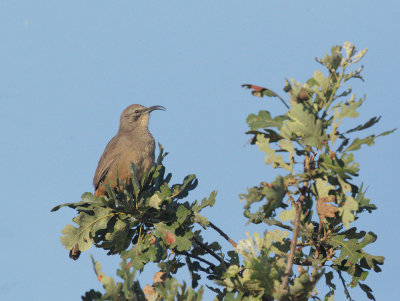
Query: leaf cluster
pixel 132 212
pixel 148 222
pixel 310 143
pixel 129 289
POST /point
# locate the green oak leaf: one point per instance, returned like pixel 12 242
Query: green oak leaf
pixel 349 249
pixel 264 120
pixel 370 140
pixel 110 287
pixel 271 157
pixel 303 286
pixel 274 195
pixel 364 126
pixel 328 280
pixel 349 204
pixel 343 167
pixel 76 236
pixel 367 290
pixel 205 202
pixel 369 238
pixel 90 222
pixel 333 61
pixel 182 190
pixel 305 125
pixel 88 200
pixel 373 261
pixel 184 243
pixel 346 210
pixel 348 109
pixel 181 214
pixel 202 220
pixel 118 239
pixel 363 202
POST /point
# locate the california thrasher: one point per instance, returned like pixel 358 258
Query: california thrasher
pixel 133 142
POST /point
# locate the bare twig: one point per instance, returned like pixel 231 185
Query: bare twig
pixel 296 223
pixel 283 101
pixel 195 257
pixel 234 244
pixel 293 244
pixel 344 285
pixel 211 252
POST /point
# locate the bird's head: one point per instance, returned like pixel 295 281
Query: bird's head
pixel 136 117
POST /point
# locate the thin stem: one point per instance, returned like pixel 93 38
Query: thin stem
pixel 140 233
pixel 293 245
pixel 296 223
pixel 283 101
pixel 211 252
pixel 195 257
pixel 344 285
pixel 176 193
pixel 100 218
pixel 335 88
pixel 234 244
pixel 280 98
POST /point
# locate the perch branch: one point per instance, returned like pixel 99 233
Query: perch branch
pixel 344 285
pixel 195 257
pixel 293 244
pixel 211 252
pixel 296 223
pixel 234 244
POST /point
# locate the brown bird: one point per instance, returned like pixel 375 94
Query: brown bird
pixel 133 142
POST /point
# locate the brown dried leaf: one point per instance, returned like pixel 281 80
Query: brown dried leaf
pixel 149 291
pixel 159 277
pixel 170 238
pixel 326 210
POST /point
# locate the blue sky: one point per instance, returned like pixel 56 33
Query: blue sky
pixel 69 68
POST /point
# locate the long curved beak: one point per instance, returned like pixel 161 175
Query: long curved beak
pixel 153 108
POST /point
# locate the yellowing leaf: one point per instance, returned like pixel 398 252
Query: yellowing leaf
pixel 321 79
pixel 287 215
pixel 323 187
pixel 348 109
pixel 154 201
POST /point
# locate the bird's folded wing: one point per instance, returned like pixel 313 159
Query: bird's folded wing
pixel 107 160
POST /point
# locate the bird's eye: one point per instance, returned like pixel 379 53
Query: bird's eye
pixel 136 111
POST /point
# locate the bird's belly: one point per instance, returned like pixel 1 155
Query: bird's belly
pixel 142 160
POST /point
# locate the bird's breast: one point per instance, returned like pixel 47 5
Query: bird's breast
pixel 141 153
